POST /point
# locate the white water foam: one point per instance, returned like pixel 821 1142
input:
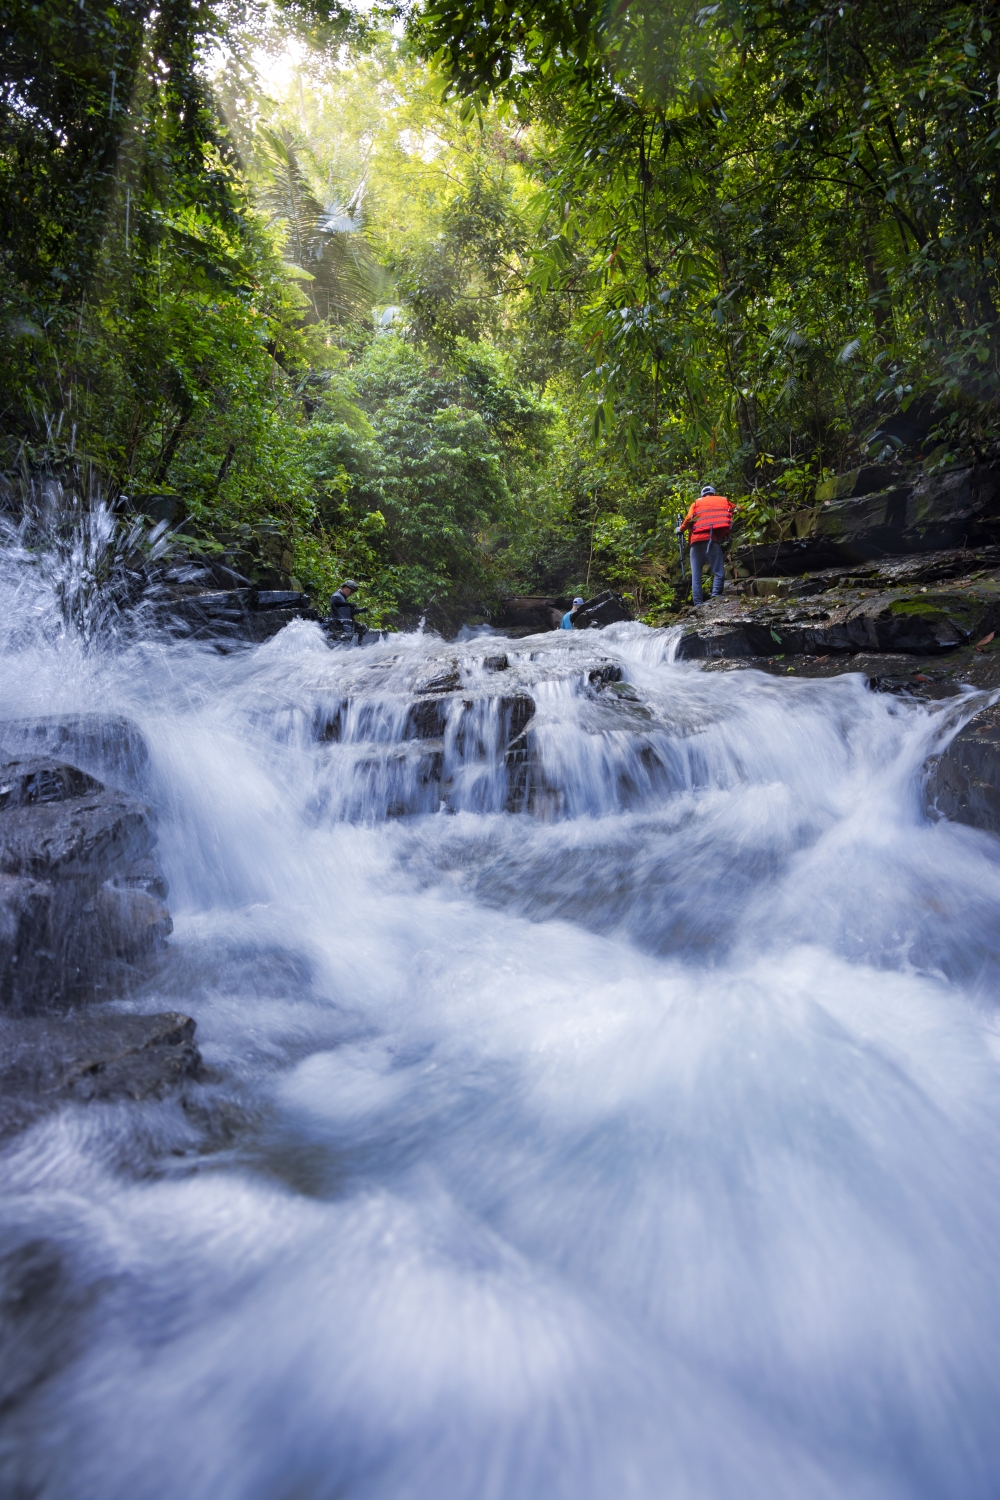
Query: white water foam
pixel 643 1142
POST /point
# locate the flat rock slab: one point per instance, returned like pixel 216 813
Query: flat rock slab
pixel 972 564
pixel 917 677
pixel 48 1061
pixel 923 622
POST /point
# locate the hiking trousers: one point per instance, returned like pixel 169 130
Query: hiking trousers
pixel 710 552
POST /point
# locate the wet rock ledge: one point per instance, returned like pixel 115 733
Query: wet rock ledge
pixel 922 607
pixel 893 573
pixel 964 782
pixel 889 562
pixel 82 918
pixel 46 1061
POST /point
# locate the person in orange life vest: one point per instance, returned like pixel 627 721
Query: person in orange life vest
pixel 708 524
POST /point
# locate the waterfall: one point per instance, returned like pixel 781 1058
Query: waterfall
pixel 603 1094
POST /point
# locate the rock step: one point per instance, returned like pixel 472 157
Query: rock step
pixel 48 1061
pixel 891 572
pixel 877 512
pixel 80 892
pixel 925 622
pixel 229 615
pixel 426 716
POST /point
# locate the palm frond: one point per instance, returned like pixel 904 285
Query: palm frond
pixel 328 240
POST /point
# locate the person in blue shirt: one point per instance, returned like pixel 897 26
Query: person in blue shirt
pixel 567 619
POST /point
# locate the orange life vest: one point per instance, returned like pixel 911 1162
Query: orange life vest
pixel 712 516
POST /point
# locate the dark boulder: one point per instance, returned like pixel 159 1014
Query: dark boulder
pixel 107 746
pixel 80 893
pixel 852 523
pixel 190 602
pixel 262 624
pixel 215 604
pixel 30 782
pixel 58 823
pixel 964 781
pixel 606 609
pixel 608 671
pixel 528 614
pixel 48 1061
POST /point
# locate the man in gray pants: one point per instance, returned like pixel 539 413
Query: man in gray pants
pixel 708 524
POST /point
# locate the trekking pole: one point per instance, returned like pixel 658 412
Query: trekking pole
pixel 680 545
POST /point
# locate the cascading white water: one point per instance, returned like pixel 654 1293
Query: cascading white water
pixel 644 1142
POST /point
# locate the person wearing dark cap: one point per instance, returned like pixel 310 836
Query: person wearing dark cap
pixel 708 524
pixel 342 611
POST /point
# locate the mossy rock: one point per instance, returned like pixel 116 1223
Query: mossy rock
pixel 929 607
pixel 965 611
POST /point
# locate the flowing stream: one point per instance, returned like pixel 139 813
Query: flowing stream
pixel 641 1141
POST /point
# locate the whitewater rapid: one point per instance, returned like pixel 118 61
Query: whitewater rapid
pixel 641 1143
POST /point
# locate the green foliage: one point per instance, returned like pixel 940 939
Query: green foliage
pixel 478 307
pixel 96 100
pixel 158 325
pixel 325 240
pixel 772 227
pixel 508 46
pixel 435 452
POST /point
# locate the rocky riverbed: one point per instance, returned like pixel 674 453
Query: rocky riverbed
pixel 83 921
pixel 409 1016
pixel 902 613
pixel 83 914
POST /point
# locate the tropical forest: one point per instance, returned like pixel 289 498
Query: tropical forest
pixel 469 301
pixel 499 750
